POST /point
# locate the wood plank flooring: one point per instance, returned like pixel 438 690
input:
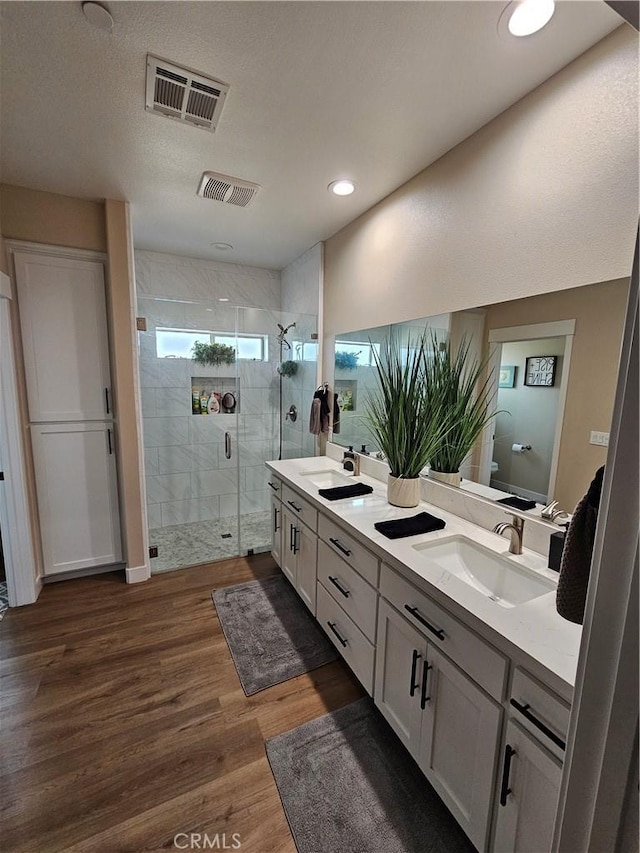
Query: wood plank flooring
pixel 123 722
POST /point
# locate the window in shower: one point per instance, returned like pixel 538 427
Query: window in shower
pixel 178 343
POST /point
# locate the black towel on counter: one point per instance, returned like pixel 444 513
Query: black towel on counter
pixel 412 526
pixel 575 564
pixel 517 503
pixel 341 492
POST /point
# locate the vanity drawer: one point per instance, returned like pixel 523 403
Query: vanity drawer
pixel 353 594
pixel 539 711
pixel 358 557
pixel 275 485
pixel 300 507
pixel 348 639
pixel 477 658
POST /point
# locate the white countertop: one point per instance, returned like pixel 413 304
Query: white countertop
pixel 532 634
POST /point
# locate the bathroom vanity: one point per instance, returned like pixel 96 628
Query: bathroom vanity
pixel 457 641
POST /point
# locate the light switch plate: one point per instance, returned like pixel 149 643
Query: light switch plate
pixel 599 438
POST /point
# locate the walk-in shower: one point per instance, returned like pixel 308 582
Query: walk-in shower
pixel 207 487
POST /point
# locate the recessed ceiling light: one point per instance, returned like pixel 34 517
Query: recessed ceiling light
pixel 223 299
pixel 222 247
pixel 341 187
pixel 98 15
pixel 525 17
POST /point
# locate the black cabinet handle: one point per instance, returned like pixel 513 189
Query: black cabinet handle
pixel 524 710
pixel 333 628
pixel 106 400
pixel 275 488
pixel 340 547
pixel 275 519
pixel 425 676
pixel 291 529
pixel 505 790
pixel 413 685
pixel 109 442
pixel 339 586
pixel 293 506
pixel 296 543
pixel 416 615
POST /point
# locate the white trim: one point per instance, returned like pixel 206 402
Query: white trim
pixel 5 286
pixel 57 251
pixel 138 574
pixel 554 329
pixel 508 334
pixel 23 583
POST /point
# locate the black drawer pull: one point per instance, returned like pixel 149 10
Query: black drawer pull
pixel 505 790
pixel 110 445
pixel 291 537
pixel 524 710
pixel 106 401
pixel 413 686
pixel 340 547
pixel 296 540
pixel 333 628
pixel 425 676
pixel 274 487
pixel 339 587
pixel 416 615
pixel 276 527
pixel 293 506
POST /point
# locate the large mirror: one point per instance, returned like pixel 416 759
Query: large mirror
pixel 554 358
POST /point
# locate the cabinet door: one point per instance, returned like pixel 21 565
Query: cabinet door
pixel 77 495
pixel 276 529
pixel 288 557
pixel 400 660
pixel 306 546
pixel 64 333
pixel 531 776
pixel 459 743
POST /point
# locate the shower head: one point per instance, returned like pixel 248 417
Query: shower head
pixel 282 336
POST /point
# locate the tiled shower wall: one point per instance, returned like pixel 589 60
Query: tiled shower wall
pixel 188 477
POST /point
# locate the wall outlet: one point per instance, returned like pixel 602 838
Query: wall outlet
pixel 153 551
pixel 599 438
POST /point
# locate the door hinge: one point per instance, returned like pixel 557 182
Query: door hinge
pixel 141 324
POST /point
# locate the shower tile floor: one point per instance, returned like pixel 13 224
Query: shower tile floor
pixel 202 541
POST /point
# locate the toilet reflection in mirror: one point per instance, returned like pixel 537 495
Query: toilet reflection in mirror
pixel 581 327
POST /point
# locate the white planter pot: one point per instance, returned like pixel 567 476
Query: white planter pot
pixel 441 477
pixel 403 492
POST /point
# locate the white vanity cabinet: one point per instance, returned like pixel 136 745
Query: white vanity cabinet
pixel 299 545
pixel 529 778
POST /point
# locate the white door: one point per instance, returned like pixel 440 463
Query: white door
pixel 288 556
pixel 276 529
pixel 306 547
pixel 77 495
pixel 64 334
pixel 528 795
pixel 458 745
pixel 400 665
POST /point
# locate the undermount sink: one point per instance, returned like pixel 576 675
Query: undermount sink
pixel 327 479
pixel 505 582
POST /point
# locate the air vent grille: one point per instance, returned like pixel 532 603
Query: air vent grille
pixel 226 189
pixel 183 95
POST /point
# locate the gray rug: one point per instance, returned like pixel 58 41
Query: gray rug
pixel 271 634
pixel 348 784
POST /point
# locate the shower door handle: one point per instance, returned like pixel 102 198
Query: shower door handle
pixel 227 445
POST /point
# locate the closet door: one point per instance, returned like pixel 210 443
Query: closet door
pixel 64 333
pixel 77 499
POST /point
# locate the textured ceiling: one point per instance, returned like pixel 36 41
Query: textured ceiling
pixel 375 91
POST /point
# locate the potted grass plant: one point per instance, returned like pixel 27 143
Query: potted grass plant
pixel 403 420
pixel 453 383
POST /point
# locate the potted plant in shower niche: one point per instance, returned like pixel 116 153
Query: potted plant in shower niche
pixel 211 354
pixel 402 419
pixel 288 368
pixel 454 383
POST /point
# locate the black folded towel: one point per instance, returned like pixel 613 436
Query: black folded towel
pixel 340 492
pixel 400 527
pixel 517 503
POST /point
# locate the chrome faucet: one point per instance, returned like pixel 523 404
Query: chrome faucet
pixel 551 513
pixel 516 528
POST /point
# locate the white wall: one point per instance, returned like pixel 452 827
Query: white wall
pixel 543 198
pixel 301 282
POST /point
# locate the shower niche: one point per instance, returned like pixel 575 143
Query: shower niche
pixel 223 389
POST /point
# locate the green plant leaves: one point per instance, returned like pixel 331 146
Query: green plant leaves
pixel 207 354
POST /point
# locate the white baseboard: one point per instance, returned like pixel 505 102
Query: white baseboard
pixel 137 574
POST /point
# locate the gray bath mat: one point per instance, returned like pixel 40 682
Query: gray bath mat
pixel 348 784
pixel 271 634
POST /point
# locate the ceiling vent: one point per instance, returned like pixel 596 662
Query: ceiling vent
pixel 184 95
pixel 227 189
